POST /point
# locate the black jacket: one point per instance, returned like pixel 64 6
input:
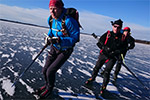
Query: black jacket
pixel 114 46
pixel 129 42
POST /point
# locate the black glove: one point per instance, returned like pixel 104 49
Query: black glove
pixel 52 40
pixel 47 40
pixel 99 45
pixel 106 49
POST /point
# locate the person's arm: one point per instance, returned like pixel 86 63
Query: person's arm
pixel 101 41
pixel 131 43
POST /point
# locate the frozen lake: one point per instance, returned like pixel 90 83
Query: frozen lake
pixel 19 44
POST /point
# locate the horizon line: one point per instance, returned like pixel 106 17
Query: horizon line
pixel 35 25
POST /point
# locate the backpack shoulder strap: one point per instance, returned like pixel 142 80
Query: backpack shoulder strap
pixel 50 21
pixel 108 35
pixel 64 30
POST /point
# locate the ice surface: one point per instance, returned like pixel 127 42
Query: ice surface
pixel 20 44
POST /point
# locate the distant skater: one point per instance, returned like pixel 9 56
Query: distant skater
pixel 111 47
pixel 129 43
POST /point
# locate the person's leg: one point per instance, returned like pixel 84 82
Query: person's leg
pixel 108 69
pixel 118 66
pixel 101 60
pixel 49 60
pixel 52 69
pixel 117 69
pixel 59 61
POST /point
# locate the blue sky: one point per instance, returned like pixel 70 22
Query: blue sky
pixel 136 11
pixel 132 12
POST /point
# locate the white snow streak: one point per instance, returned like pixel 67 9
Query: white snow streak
pixel 6 85
pixel 5 55
pixel 29 89
pixel 1 98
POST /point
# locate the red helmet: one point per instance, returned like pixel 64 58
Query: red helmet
pixel 127 29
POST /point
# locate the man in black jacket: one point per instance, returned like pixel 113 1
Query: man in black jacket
pixel 111 47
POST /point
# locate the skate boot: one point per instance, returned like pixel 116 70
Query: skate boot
pixel 46 93
pixel 39 91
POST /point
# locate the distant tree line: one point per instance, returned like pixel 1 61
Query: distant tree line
pixel 6 20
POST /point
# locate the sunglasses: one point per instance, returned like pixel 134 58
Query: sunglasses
pixel 117 27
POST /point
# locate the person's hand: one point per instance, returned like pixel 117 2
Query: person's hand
pixel 99 44
pixel 47 40
pixel 54 40
pixel 106 49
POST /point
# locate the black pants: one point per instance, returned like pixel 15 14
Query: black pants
pixel 109 65
pixel 54 61
pixel 118 66
pixel 101 60
pixel 108 68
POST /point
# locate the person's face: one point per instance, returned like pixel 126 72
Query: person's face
pixel 125 33
pixel 55 12
pixel 116 28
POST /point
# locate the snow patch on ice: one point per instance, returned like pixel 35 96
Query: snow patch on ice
pixel 70 70
pixel 32 49
pixel 34 55
pixel 127 89
pixel 71 60
pixel 79 60
pixel 29 89
pixel 71 95
pixel 40 62
pixel 59 72
pixel 5 55
pixel 1 52
pixel 146 75
pixel 1 97
pixel 25 48
pixel 9 60
pixel 15 73
pixel 142 61
pixel 14 51
pixel 81 48
pixel 91 64
pixel 69 89
pixel 6 85
pixel 84 71
pixel 1 34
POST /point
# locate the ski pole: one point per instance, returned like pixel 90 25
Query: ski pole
pixel 17 78
pixel 122 58
pixel 123 63
pixel 134 75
